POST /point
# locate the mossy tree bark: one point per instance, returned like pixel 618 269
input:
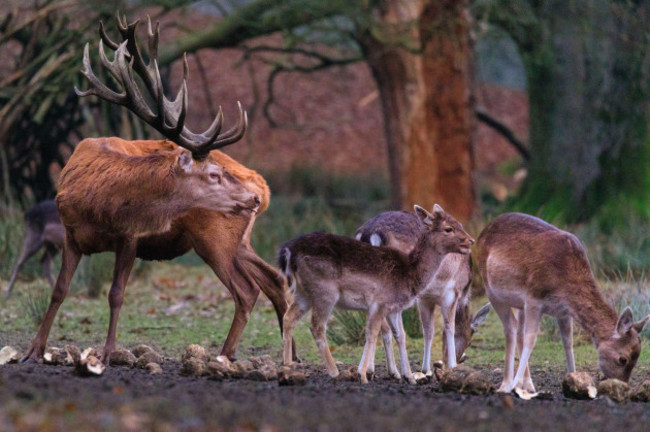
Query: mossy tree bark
pixel 587 64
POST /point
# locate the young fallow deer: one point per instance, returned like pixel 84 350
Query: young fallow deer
pixel 531 265
pixel 43 229
pixel 158 199
pixel 326 270
pixel 400 230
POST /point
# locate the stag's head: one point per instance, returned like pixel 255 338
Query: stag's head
pixel 208 185
pixel 443 232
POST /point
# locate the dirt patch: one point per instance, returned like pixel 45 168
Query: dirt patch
pixel 34 396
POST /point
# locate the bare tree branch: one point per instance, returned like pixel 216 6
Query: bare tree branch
pixel 505 131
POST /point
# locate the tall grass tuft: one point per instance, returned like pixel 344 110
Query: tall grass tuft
pixel 93 274
pixel 35 301
pixel 347 328
pixel 411 320
pixel 630 289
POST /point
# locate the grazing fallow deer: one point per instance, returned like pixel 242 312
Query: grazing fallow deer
pixel 533 266
pixel 326 270
pixel 157 200
pixel 400 230
pixel 43 229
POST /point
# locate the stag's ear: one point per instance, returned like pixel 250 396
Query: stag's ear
pixel 185 161
pixel 625 321
pixel 480 316
pixel 425 217
pixel 638 326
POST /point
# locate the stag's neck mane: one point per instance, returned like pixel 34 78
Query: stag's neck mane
pixel 129 194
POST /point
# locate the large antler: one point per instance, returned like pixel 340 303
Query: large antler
pixel 168 117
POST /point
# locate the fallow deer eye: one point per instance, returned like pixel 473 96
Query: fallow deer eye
pixel 448 230
pixel 622 361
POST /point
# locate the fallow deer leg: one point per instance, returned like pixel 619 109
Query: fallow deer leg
pixel 532 315
pixel 33 242
pixel 69 263
pixel 397 326
pixel 509 323
pixel 566 331
pixel 528 381
pixel 425 310
pixel 448 310
pixel 296 311
pixel 319 315
pixel 124 258
pixel 372 332
pixel 387 340
pixel 46 263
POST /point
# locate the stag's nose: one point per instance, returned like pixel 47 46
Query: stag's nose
pixel 257 201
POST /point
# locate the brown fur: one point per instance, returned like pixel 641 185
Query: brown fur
pixel 133 197
pixel 531 265
pixel 400 230
pixel 329 270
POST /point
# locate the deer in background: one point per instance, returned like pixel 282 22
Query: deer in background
pixel 326 270
pixel 530 265
pixel 157 200
pixel 43 229
pixel 400 230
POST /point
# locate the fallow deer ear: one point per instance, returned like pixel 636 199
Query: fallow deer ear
pixel 438 209
pixel 480 316
pixel 424 215
pixel 638 326
pixel 625 321
pixel 185 161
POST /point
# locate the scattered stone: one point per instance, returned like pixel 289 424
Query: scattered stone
pixel 90 351
pixel 451 380
pixel 263 360
pixel 141 349
pixel 438 364
pixel 350 374
pixel 241 368
pixel 642 394
pixel 477 383
pixel 193 366
pixel 148 357
pixel 525 394
pixel 507 402
pixel 579 385
pixel 123 357
pixel 90 366
pixel 153 368
pixel 197 352
pixel 616 390
pixel 221 367
pixel 264 373
pixel 290 377
pixel 421 378
pixel 9 355
pixel 57 357
pixel 74 352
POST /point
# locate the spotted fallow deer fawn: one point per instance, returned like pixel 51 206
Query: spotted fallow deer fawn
pixel 400 230
pixel 157 200
pixel 326 270
pixel 530 265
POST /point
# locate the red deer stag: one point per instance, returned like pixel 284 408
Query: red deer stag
pixel 157 200
pixel 532 266
pixel 43 229
pixel 325 270
pixel 400 230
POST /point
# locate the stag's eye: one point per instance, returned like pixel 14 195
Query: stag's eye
pixel 622 361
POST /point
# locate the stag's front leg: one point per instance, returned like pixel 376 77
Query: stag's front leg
pixel 69 263
pixel 124 259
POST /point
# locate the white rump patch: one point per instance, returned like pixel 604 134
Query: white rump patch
pixel 375 240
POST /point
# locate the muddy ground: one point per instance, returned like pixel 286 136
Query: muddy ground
pixel 54 398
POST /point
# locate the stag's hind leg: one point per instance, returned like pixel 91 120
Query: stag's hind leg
pixel 69 263
pixel 124 259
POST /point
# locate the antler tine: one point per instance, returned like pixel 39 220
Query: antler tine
pixel 98 88
pixel 233 134
pixel 103 36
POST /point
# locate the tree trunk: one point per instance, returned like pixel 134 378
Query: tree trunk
pixel 588 81
pixel 427 105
